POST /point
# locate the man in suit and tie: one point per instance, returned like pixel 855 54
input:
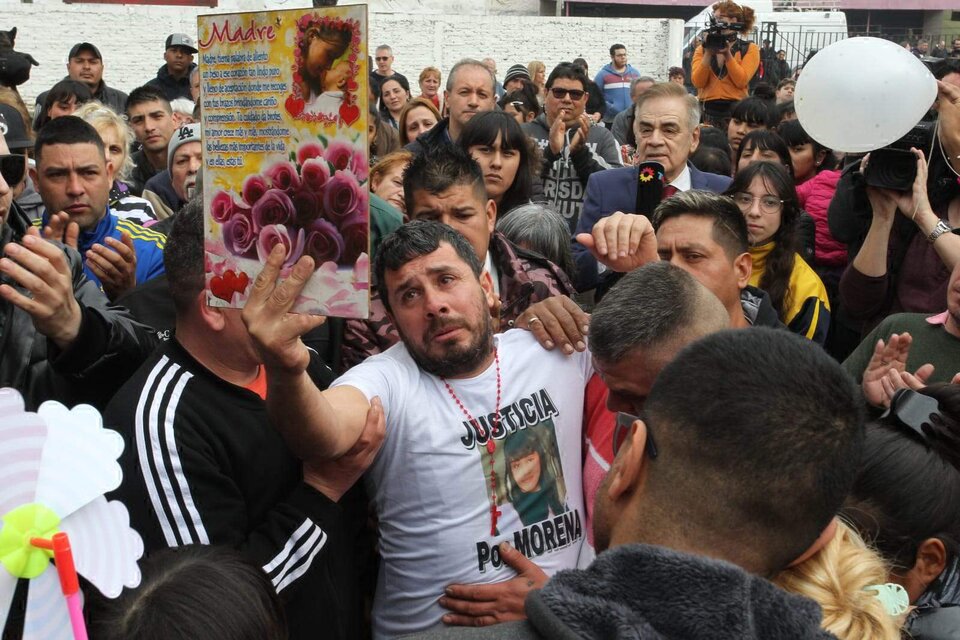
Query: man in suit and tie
pixel 667 131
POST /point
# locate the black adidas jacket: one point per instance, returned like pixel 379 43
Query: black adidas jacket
pixel 203 465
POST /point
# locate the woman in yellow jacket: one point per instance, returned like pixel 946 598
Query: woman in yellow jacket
pixel 766 196
pixel 722 76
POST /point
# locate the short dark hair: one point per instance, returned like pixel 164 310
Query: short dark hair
pixel 764 91
pixel 945 67
pixel 415 239
pixel 62 92
pixel 439 169
pixel 712 160
pixel 729 224
pixel 714 137
pixel 794 134
pixel 188 591
pixel 484 129
pixel 647 308
pixel 755 111
pixel 67 130
pixel 144 94
pixel 614 47
pixel 766 140
pixel 908 489
pixel 776 433
pixel 785 109
pixel 568 71
pixel 183 255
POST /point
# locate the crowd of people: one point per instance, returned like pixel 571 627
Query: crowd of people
pixel 644 359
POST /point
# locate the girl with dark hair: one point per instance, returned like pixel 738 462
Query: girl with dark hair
pixel 394 95
pixel 749 115
pixel 506 155
pixel 521 104
pixel 767 198
pixel 532 485
pixel 764 145
pixel 814 166
pixel 381 138
pixel 906 503
pixel 62 100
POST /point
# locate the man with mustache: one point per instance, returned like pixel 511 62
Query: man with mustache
pixel 454 395
pixel 447 185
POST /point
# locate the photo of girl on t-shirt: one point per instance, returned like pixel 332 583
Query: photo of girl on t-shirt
pixel 534 480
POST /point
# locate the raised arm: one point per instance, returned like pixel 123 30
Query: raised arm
pixel 316 425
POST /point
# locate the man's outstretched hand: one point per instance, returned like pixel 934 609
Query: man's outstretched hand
pixel 621 241
pixel 275 330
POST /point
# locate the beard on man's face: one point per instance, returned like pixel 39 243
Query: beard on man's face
pixel 454 360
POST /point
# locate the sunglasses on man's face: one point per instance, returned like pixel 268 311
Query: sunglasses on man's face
pixel 560 94
pixel 12 167
pixel 382 58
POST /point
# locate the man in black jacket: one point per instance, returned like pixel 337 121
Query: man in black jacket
pixel 173 78
pixel 85 64
pixel 59 337
pixel 203 463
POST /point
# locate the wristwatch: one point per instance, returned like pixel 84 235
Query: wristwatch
pixel 941 228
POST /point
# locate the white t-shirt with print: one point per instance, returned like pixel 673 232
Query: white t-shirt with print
pixel 431 483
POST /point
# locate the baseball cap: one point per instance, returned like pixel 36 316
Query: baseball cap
pixel 180 40
pixel 183 135
pixel 516 71
pixel 13 128
pixel 84 46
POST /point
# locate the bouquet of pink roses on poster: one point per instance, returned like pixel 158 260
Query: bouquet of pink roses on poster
pixel 284 102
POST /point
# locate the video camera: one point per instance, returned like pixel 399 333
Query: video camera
pixel 716 39
pixel 894 166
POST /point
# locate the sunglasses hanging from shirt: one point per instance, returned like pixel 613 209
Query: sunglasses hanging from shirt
pixel 13 167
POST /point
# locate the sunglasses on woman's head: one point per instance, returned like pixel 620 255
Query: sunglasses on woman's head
pixel 13 167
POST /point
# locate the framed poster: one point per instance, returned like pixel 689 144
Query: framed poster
pixel 284 102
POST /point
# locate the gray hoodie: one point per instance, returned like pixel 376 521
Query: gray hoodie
pixel 565 174
pixel 643 592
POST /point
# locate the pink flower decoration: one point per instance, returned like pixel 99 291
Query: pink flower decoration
pixel 307 150
pixel 222 206
pixel 275 207
pixel 342 197
pixel 323 242
pixel 239 236
pixel 253 188
pixel 314 173
pixel 308 206
pixel 356 239
pixel 359 165
pixel 361 272
pixel 338 153
pixel 283 175
pixel 275 234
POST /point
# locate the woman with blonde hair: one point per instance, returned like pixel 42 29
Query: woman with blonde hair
pixel 430 85
pixel 418 116
pixel 845 577
pixel 538 75
pixel 117 137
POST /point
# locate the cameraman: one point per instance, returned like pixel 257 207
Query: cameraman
pixel 724 64
pixel 902 262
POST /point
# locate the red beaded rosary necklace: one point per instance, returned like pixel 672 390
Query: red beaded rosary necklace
pixel 491 443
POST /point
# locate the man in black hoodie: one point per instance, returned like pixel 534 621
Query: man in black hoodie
pixel 706 499
pixel 173 78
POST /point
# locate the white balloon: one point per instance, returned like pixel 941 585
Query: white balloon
pixel 861 94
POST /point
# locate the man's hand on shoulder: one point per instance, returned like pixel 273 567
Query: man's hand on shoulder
pixel 621 241
pixel 556 321
pixel 42 269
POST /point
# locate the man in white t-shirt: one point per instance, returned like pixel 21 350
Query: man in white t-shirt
pixel 483 441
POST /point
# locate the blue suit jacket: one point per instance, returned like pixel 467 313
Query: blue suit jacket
pixel 616 190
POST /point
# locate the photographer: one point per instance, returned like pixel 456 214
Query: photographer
pixel 901 263
pixel 724 64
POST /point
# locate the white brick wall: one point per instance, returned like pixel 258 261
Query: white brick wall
pixel 131 36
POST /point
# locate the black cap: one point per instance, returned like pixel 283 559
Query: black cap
pixel 13 127
pixel 84 46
